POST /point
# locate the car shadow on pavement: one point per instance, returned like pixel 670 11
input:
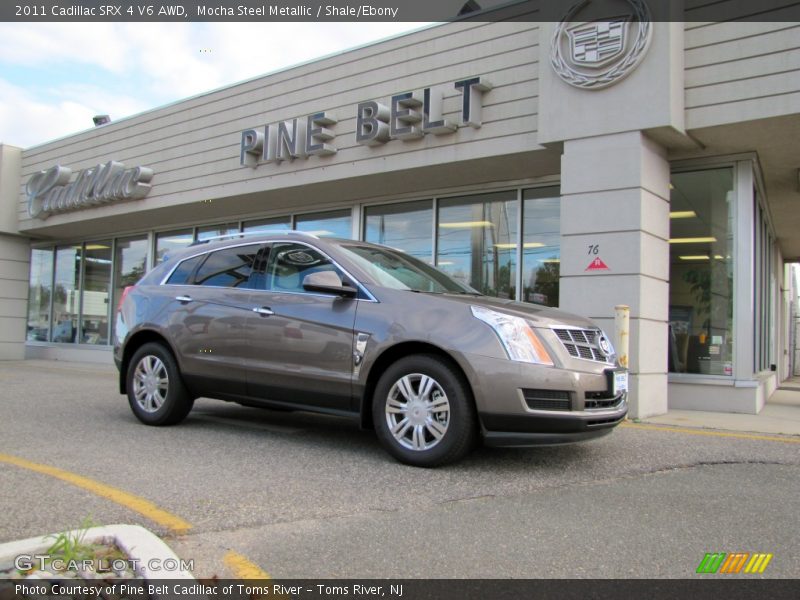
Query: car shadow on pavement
pixel 331 433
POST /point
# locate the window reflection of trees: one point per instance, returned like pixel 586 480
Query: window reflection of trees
pixel 477 241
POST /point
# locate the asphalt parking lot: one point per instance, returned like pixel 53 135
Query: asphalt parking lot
pixel 299 495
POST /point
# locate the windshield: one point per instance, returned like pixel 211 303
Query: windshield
pixel 395 269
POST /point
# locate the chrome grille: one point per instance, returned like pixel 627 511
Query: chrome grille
pixel 581 343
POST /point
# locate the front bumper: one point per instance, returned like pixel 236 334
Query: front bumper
pixel 552 429
pixel 531 405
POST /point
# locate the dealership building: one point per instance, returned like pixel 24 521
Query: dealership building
pixel 597 161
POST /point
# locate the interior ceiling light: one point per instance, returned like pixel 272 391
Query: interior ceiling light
pixel 525 245
pixel 464 224
pixel 682 214
pixel 695 257
pixel 695 240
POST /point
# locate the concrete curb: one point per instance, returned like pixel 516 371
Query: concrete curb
pixel 148 551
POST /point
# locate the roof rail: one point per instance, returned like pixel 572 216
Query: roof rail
pixel 216 238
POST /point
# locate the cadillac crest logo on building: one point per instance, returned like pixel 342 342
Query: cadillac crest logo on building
pixel 596 44
pixel 596 54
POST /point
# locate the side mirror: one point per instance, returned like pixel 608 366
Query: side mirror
pixel 327 282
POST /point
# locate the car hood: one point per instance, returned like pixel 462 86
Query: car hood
pixel 537 315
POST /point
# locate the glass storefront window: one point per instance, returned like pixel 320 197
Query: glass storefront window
pixel 40 291
pixel 541 245
pixel 407 227
pixel 96 292
pixel 172 240
pixel 260 225
pixel 66 294
pixel 130 264
pixel 701 272
pixel 336 223
pixel 477 241
pixel 212 231
pixel 765 288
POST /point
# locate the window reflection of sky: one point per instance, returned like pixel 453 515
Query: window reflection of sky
pixel 262 225
pixel 205 233
pixel 405 226
pixel 171 240
pixel 331 224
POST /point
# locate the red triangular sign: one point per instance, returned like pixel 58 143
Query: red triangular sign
pixel 597 265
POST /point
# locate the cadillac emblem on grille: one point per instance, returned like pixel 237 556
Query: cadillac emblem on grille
pixel 603 345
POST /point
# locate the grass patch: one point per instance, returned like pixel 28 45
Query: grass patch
pixel 71 552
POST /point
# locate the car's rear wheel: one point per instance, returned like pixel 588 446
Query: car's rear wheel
pixel 156 392
pixel 423 412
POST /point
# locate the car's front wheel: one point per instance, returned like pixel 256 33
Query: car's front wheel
pixel 423 412
pixel 156 392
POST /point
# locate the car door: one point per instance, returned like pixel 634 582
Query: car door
pixel 301 344
pixel 208 324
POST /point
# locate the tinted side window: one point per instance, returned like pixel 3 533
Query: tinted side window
pixel 290 263
pixel 184 270
pixel 230 267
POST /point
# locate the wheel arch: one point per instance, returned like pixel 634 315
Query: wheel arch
pixel 393 354
pixel 137 340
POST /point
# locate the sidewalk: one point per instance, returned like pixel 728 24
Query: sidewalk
pixel 781 415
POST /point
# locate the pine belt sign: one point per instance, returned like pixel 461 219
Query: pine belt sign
pixel 410 115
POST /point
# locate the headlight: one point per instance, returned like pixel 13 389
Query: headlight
pixel 519 340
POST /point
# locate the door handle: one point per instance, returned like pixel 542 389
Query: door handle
pixel 183 299
pixel 263 311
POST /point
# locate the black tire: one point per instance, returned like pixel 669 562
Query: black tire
pixel 441 425
pixel 153 398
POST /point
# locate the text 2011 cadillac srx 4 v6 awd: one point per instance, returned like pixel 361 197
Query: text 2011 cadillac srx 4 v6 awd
pixel 292 321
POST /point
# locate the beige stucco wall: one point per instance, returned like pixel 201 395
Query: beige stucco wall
pixel 741 72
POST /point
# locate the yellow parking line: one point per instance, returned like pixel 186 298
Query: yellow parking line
pixel 243 568
pixel 744 436
pixel 135 503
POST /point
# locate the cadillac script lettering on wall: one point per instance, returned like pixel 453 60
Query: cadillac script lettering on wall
pixel 51 192
pixel 595 54
pixel 409 116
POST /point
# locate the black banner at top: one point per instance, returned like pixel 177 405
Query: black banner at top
pixel 385 10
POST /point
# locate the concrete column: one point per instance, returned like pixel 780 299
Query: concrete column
pixel 14 259
pixel 615 249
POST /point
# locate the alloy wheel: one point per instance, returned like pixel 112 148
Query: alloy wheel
pixel 417 412
pixel 150 383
